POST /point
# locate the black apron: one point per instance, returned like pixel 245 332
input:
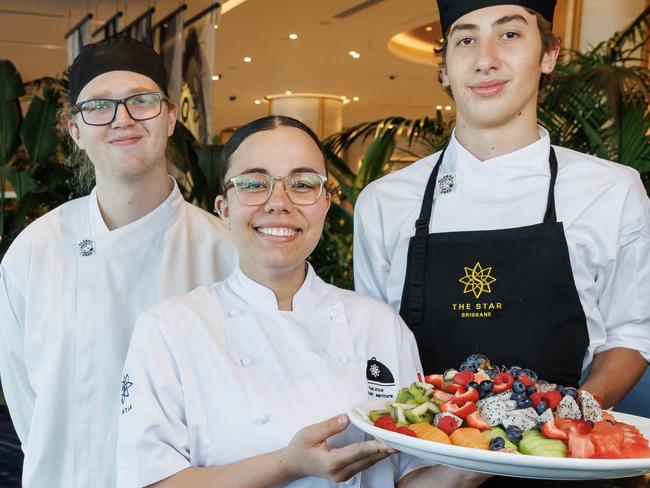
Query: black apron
pixel 508 294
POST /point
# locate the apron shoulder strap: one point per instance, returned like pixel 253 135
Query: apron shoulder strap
pixel 549 215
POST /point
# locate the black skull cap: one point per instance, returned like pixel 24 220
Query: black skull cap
pixel 120 53
pixel 452 10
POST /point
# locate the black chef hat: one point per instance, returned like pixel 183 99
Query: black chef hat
pixel 119 53
pixel 452 10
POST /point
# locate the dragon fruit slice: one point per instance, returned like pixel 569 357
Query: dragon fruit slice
pixel 526 412
pixel 522 421
pixel 438 416
pixel 493 412
pixel 591 410
pixel 509 404
pixel 547 416
pixel 485 401
pixel 568 408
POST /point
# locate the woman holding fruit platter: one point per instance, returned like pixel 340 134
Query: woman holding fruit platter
pixel 243 383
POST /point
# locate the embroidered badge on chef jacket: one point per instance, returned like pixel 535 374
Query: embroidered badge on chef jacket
pixel 86 247
pixel 126 384
pixel 380 380
pixel 446 183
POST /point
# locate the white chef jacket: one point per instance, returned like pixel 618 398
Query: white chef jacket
pixel 602 205
pixel 221 375
pixel 70 294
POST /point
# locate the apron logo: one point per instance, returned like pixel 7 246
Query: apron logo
pixel 86 247
pixel 477 280
pixel 126 384
pixel 381 382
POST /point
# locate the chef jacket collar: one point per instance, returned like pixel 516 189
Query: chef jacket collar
pixel 309 296
pixel 531 158
pixel 154 221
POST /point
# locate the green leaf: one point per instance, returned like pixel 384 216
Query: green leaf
pixel 38 129
pixel 22 181
pixel 11 89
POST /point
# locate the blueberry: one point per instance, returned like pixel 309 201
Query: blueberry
pixel 530 389
pixel 486 386
pixel 467 367
pixel 515 371
pixel 524 402
pixel 559 387
pixel 540 424
pixel 569 391
pixel 516 396
pixel 484 394
pixel 497 443
pixel 541 407
pixel 492 372
pixel 514 433
pixel 518 387
pixel 528 373
pixel 473 384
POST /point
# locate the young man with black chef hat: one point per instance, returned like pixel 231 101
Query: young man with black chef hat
pixel 532 254
pixel 73 282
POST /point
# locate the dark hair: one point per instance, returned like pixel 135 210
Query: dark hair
pixel 265 123
pixel 550 41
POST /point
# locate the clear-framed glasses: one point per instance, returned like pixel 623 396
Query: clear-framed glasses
pixel 102 111
pixel 256 188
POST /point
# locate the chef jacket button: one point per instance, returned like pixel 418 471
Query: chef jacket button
pixel 235 312
pixel 344 359
pixel 262 419
pixel 333 314
pixel 246 361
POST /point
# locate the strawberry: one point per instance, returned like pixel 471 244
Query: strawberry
pixel 463 377
pixel 447 425
pixel 459 411
pixel 391 427
pixel 502 382
pixel 441 395
pixel 550 431
pixel 384 420
pixel 537 397
pixel 525 380
pixel 435 380
pixel 552 398
pixel 480 376
pixel 452 387
pixel 470 395
pixel 475 420
pixel 406 431
pixel 580 427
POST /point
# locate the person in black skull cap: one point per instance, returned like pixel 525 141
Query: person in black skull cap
pixel 73 282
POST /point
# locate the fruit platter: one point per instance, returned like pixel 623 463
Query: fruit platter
pixel 506 421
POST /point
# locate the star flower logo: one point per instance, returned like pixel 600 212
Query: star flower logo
pixel 126 384
pixel 374 370
pixel 477 280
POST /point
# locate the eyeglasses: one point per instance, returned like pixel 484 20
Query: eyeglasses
pixel 102 111
pixel 256 188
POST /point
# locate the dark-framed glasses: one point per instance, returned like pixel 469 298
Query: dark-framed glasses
pixel 102 111
pixel 303 188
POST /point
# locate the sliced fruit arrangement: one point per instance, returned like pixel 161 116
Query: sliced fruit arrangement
pixel 510 410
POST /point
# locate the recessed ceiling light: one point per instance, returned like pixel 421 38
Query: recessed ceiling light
pixel 248 59
pixel 355 99
pixel 354 54
pixel 428 28
pixel 258 101
pixel 293 37
pixel 448 108
pixel 216 26
pixel 438 107
pixel 288 92
pixel 216 77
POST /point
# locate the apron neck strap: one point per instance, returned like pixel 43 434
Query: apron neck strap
pixel 422 223
pixel 549 216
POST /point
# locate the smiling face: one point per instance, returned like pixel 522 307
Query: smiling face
pixel 124 149
pixel 493 65
pixel 275 238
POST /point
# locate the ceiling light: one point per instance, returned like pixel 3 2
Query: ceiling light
pixel 354 54
pixel 355 99
pixel 438 107
pixel 293 37
pixel 288 92
pixel 448 108
pixel 258 101
pixel 248 59
pixel 216 77
pixel 216 26
pixel 428 28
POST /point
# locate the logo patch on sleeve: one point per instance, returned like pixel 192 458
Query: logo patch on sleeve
pixel 126 384
pixel 381 382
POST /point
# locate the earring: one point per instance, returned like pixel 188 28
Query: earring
pixel 217 211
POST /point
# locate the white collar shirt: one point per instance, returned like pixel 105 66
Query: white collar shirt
pixel 221 375
pixel 602 205
pixel 70 293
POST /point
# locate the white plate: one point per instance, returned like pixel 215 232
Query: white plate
pixel 506 464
